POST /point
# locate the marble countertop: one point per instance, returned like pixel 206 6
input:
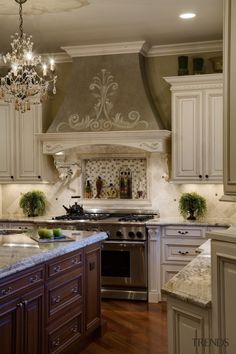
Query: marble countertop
pixel 222 222
pixel 162 221
pixel 228 235
pixel 18 251
pixel 193 283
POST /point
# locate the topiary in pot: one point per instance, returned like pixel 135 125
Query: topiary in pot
pixel 33 203
pixel 192 205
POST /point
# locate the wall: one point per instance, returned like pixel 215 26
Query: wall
pixel 164 195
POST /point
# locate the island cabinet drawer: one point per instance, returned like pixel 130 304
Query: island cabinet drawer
pixel 60 336
pixel 64 263
pixel 21 281
pixel 183 231
pixel 174 250
pixel 64 293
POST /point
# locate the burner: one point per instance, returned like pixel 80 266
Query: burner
pixel 136 218
pixel 85 216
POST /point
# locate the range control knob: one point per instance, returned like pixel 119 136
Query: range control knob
pixel 119 233
pixel 139 234
pixel 131 234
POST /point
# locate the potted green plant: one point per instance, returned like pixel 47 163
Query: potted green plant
pixel 192 205
pixel 33 203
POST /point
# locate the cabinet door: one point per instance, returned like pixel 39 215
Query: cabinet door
pixel 92 291
pixel 6 141
pixel 187 137
pixel 10 327
pixel 229 100
pixel 33 327
pixel 188 325
pixel 27 146
pixel 213 134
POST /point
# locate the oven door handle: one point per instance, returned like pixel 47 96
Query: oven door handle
pixel 123 243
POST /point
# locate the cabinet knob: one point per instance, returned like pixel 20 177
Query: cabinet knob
pixel 39 177
pixel 200 176
pixel 20 305
pixel 206 176
pixel 12 177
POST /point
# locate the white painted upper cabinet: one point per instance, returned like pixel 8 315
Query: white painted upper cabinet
pixel 197 128
pixel 27 146
pixel 6 141
pixel 21 157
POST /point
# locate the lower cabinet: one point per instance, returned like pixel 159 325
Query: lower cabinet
pixel 189 328
pixel 53 307
pixel 92 287
pixel 21 323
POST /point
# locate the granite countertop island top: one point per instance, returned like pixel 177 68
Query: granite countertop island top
pixel 19 252
pixel 193 283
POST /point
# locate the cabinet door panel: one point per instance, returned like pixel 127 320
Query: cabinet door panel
pixel 10 328
pixel 214 134
pixel 33 321
pixel 28 148
pixel 187 144
pixel 6 141
pixel 92 293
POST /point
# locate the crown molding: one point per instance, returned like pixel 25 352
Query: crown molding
pixel 59 57
pixel 185 48
pixel 104 49
pixel 195 82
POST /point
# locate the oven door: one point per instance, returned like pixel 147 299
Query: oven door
pixel 124 264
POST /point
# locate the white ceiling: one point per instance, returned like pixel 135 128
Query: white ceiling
pixel 57 23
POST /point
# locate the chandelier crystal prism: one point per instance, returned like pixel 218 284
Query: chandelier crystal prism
pixel 29 79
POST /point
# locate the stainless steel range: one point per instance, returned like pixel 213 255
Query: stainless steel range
pixel 124 264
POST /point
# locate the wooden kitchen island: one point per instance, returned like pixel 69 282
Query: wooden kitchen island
pixel 49 293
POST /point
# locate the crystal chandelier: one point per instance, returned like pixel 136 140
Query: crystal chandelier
pixel 28 79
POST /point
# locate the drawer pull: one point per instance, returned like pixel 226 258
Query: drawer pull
pixel 74 329
pixel 75 261
pixel 56 342
pixel 183 253
pixel 182 232
pixel 57 268
pixel 198 251
pixel 74 290
pixel 7 291
pixel 20 305
pixel 56 299
pixel 34 278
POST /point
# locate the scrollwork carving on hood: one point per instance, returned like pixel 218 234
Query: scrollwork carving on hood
pixel 103 87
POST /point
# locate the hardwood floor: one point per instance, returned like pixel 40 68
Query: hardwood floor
pixel 132 328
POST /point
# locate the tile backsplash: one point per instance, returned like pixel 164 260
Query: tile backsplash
pixel 109 170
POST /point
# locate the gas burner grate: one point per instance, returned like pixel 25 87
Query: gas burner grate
pixel 136 218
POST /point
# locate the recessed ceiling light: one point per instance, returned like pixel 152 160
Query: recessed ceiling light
pixel 187 15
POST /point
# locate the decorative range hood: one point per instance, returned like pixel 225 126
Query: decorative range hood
pixel 107 101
